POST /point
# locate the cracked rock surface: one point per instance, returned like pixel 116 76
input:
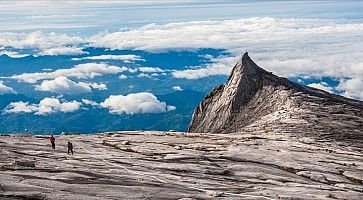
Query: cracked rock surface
pixel 160 165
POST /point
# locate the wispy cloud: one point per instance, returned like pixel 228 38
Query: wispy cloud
pixel 13 54
pixel 126 58
pixel 150 69
pixel 5 89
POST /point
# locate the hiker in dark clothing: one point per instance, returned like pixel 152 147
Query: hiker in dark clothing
pixel 70 147
pixel 52 141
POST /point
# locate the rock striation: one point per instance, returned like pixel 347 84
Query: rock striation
pixel 255 99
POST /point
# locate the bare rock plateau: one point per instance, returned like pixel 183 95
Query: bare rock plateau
pixel 159 165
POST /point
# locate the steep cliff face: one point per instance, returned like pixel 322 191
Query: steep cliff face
pixel 253 99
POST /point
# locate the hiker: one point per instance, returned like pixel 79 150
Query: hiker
pixel 70 147
pixel 52 141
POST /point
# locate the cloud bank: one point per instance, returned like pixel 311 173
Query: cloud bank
pixel 287 47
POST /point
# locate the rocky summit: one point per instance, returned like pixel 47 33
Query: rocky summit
pixel 254 99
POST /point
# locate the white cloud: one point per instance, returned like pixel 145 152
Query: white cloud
pixel 90 102
pixel 177 88
pixel 98 86
pixel 63 85
pixel 150 69
pixel 143 75
pixel 133 70
pixel 352 88
pixel 13 54
pixel 81 71
pixel 135 103
pixel 122 77
pixel 126 58
pixel 322 86
pixel 44 107
pixel 5 89
pixel 62 51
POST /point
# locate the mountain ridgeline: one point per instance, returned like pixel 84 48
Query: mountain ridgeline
pixel 254 99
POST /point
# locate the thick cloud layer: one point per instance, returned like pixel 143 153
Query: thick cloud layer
pixel 135 103
pixel 288 47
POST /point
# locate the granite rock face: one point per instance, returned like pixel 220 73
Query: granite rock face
pixel 256 99
pixel 158 165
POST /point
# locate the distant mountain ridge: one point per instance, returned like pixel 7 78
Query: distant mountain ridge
pixel 253 97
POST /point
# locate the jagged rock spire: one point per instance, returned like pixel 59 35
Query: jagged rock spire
pixel 252 95
pixel 225 102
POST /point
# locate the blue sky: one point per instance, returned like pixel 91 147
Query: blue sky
pixel 113 51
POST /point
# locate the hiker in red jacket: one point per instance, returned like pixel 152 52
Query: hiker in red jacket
pixel 52 141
